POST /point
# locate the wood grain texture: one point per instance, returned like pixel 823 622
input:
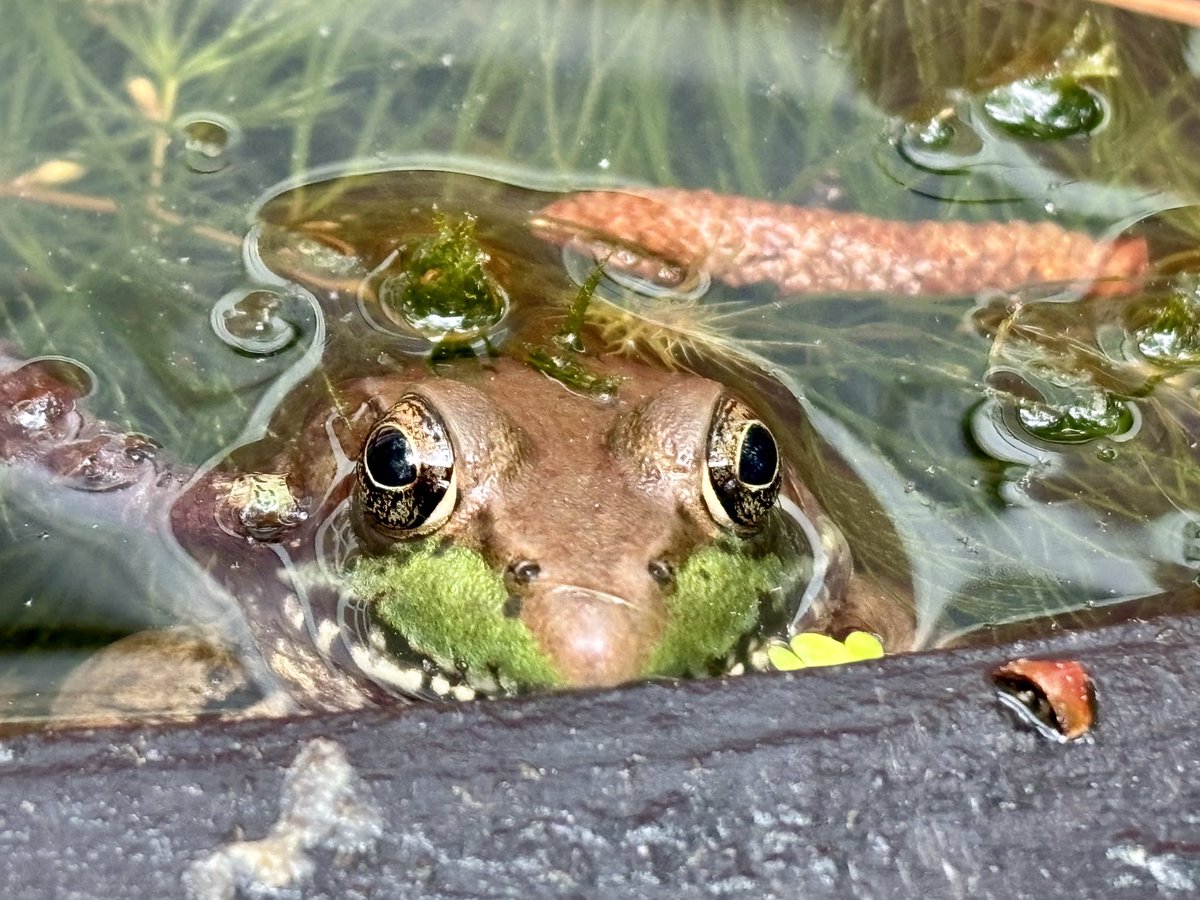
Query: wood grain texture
pixel 901 778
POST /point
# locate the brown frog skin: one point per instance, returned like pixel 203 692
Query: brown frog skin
pixel 591 515
pixel 589 507
pixel 587 510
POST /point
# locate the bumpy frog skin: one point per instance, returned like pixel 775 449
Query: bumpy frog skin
pixel 561 541
pixel 588 519
pixel 584 543
pixel 475 527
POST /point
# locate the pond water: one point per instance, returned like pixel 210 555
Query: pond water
pixel 1006 453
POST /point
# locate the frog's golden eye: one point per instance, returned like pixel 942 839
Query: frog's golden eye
pixel 742 476
pixel 405 484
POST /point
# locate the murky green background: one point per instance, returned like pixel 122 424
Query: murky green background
pixel 897 109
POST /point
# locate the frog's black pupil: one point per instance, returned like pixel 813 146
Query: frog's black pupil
pixel 759 457
pixel 390 460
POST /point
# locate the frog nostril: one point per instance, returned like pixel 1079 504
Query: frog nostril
pixel 523 571
pixel 512 607
pixel 662 572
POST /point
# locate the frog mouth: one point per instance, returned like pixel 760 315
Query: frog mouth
pixel 580 622
pixel 591 636
pixel 390 660
pixel 404 631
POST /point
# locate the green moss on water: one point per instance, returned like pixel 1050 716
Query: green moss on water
pixel 1044 108
pixel 1172 338
pixel 449 605
pixel 446 289
pixel 715 603
pixel 571 373
pixel 1099 415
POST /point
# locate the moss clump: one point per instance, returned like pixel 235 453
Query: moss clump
pixel 715 603
pixel 1172 338
pixel 1047 109
pixel 1091 416
pixel 449 605
pixel 572 374
pixel 446 291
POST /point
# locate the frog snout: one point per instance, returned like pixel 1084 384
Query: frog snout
pixel 593 638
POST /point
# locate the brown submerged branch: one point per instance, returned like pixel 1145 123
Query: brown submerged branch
pixel 742 241
pixel 65 199
pixel 107 206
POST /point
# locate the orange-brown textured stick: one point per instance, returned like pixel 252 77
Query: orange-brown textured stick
pixel 742 241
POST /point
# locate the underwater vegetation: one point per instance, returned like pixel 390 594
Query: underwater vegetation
pixel 1030 450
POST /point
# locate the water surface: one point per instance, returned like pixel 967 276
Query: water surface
pixel 1031 451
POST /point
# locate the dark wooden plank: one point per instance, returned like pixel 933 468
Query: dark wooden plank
pixel 903 778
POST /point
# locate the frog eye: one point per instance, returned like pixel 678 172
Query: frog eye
pixel 405 484
pixel 742 476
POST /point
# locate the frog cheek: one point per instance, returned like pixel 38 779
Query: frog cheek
pixel 449 606
pixel 718 601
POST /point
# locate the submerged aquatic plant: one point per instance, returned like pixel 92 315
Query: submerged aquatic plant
pixel 137 133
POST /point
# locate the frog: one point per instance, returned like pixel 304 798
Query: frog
pixel 481 500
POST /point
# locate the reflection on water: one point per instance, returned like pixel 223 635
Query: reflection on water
pixel 1002 451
